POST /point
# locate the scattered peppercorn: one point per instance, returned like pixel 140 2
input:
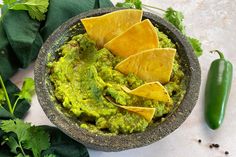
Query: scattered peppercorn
pixel 216 145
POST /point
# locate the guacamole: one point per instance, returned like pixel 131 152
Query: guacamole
pixel 83 75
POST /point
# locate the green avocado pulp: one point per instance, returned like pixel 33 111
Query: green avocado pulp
pixel 83 75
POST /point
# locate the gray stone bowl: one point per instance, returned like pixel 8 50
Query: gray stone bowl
pixel 70 126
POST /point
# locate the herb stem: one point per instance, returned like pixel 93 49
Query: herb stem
pixel 14 106
pixel 21 148
pixel 6 95
pixel 149 6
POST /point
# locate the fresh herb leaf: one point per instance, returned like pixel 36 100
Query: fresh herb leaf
pixel 35 8
pixel 176 18
pixel 12 143
pixel 125 5
pixel 27 137
pixel 137 3
pixel 37 140
pixel 8 2
pixel 27 90
pixel 17 126
pixel 131 4
pixel 1 6
pixel 196 45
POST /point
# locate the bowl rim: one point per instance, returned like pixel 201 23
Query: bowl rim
pixel 118 142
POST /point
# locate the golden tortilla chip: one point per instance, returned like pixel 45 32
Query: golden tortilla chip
pixel 146 112
pixel 139 37
pixel 150 65
pixel 152 90
pixel 104 28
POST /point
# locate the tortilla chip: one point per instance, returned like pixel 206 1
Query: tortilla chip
pixel 150 65
pixel 104 28
pixel 152 90
pixel 139 37
pixel 146 112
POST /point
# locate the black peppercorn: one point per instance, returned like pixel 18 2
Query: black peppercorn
pixel 226 152
pixel 216 145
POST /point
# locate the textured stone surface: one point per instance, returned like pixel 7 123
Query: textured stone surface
pixel 205 21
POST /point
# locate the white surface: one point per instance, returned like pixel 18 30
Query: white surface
pixel 214 23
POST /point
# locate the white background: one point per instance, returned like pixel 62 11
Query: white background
pixel 214 23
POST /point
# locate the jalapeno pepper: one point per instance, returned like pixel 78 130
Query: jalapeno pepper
pixel 217 90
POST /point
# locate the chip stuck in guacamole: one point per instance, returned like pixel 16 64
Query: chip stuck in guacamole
pixel 85 75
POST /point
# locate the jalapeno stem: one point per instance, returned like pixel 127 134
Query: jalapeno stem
pixel 220 53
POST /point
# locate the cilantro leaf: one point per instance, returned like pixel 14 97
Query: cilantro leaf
pixel 8 2
pixel 27 137
pixel 27 90
pixel 137 3
pixel 17 126
pixel 125 5
pixel 12 143
pixel 37 140
pixel 176 18
pixel 131 4
pixel 196 45
pixel 35 8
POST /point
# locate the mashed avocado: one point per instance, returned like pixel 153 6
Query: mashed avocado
pixel 83 75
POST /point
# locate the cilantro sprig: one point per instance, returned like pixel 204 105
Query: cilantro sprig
pixel 24 139
pixel 26 93
pixel 35 8
pixel 173 16
pixel 177 19
pixel 130 4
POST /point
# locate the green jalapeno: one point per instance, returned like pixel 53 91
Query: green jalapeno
pixel 217 90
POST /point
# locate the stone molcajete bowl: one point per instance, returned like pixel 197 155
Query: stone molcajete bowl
pixel 70 126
